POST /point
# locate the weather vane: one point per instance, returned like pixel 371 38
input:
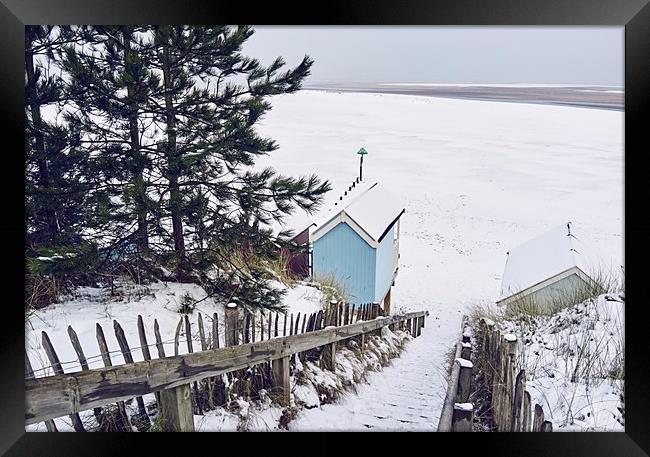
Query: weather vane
pixel 362 152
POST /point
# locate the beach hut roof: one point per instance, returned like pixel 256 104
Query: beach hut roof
pixel 541 258
pixel 370 211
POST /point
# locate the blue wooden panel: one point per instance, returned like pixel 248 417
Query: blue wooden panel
pixel 385 270
pixel 344 255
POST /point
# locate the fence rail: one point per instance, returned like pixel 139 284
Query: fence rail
pixel 171 377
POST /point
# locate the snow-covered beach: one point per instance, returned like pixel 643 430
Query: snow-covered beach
pixel 476 178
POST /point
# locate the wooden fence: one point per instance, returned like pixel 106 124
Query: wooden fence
pixel 457 412
pixel 256 352
pixel 511 402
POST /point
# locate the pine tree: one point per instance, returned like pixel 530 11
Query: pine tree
pixel 54 168
pixel 111 85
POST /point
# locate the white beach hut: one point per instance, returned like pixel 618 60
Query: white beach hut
pixel 550 269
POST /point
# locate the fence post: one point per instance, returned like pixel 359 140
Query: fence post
pixel 231 315
pixel 462 418
pixel 176 409
pixel 281 383
pixel 526 416
pixel 464 380
pixel 466 351
pixel 328 356
pixel 538 418
pixel 547 426
pixel 518 403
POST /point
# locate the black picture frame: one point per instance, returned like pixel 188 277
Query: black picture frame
pixel 634 15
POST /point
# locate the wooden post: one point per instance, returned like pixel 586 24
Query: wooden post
pixel 291 326
pixel 206 383
pixel 462 418
pixel 538 418
pixel 159 343
pixel 518 403
pixel 56 366
pixel 176 409
pixel 281 383
pixel 297 328
pixel 328 356
pixel 106 357
pixel 547 426
pixel 231 316
pixel 464 380
pixel 284 325
pixel 526 416
pixel 215 331
pixel 29 374
pixel 276 324
pixel 126 353
pixel 74 339
pixel 414 327
pixel 387 300
pixel 466 351
pixel 177 335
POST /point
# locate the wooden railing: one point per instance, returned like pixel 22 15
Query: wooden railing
pixel 170 377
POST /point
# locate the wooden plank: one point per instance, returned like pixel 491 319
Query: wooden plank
pixel 55 396
pixel 462 418
pixel 56 366
pixel 538 418
pixel 281 382
pixel 304 319
pixel 246 329
pixel 252 328
pixel 176 409
pixel 204 344
pixel 261 327
pixel 146 355
pixel 190 349
pixel 29 374
pixel 276 324
pixel 74 339
pixel 128 358
pixel 527 415
pixel 159 343
pixel 215 331
pixel 177 335
pixel 295 331
pixel 291 325
pixel 143 339
pixel 464 380
pixel 106 357
pixel 546 426
pixel 328 357
pixel 231 318
pixel 518 403
pixel 284 325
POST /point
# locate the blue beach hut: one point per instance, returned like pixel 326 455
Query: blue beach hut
pixel 357 244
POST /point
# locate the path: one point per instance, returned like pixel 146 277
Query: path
pixel 407 395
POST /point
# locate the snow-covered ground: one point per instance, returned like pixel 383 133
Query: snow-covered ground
pixel 574 362
pixel 476 178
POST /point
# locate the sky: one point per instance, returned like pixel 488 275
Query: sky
pixel 497 55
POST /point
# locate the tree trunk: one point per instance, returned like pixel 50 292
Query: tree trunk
pixel 142 238
pixel 48 213
pixel 173 161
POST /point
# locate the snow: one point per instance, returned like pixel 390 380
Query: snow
pixel 464 363
pixel 464 406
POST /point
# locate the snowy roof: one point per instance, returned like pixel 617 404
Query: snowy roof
pixel 542 258
pixel 370 206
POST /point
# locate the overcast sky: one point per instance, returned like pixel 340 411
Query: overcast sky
pixel 549 55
